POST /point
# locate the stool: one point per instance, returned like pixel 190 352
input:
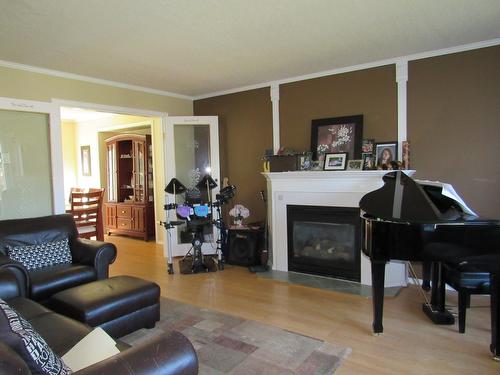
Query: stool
pixel 119 305
pixel 465 283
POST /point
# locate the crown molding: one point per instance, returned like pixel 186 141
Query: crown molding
pixel 369 65
pixel 374 64
pixel 78 77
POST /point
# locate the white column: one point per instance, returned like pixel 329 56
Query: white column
pixel 401 79
pixel 275 99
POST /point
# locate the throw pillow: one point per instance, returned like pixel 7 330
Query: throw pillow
pixel 21 337
pixel 41 255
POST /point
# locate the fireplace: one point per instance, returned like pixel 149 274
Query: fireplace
pixel 324 240
pixel 338 189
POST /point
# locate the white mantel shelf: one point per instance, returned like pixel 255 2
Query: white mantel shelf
pixel 322 188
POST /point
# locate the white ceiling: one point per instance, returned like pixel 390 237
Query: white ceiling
pixel 195 47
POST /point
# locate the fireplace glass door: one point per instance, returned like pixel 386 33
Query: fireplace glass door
pixel 324 241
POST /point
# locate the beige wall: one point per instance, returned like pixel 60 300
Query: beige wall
pixel 371 92
pixel 34 86
pixel 69 146
pixel 453 121
pixel 454 124
pixel 245 128
pixel 246 121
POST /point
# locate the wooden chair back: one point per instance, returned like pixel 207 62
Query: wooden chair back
pixel 86 208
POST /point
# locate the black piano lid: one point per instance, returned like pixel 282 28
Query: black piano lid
pixel 401 199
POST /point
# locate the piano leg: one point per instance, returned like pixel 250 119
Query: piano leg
pixel 495 315
pixel 378 278
pixel 437 311
pixel 426 276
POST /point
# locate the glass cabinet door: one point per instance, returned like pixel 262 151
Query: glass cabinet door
pixel 139 171
pixel 111 170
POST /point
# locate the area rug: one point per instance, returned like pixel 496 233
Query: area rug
pixel 230 345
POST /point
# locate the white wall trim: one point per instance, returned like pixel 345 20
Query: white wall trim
pixel 56 159
pixel 107 108
pixel 275 100
pixel 374 64
pixel 369 65
pixel 401 80
pixel 78 77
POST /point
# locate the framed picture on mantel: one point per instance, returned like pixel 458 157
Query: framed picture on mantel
pixel 335 161
pixel 337 134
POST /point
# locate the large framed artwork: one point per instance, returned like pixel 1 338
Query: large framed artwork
pixel 337 134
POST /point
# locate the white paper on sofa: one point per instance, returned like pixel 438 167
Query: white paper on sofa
pixel 95 347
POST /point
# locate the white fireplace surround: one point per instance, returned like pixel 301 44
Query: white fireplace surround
pixel 322 188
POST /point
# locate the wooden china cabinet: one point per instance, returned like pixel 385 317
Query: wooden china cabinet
pixel 129 208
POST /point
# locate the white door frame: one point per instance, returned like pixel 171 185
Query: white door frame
pixel 213 122
pixel 56 160
pixel 58 103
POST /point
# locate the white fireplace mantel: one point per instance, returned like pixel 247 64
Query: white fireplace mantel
pixel 322 188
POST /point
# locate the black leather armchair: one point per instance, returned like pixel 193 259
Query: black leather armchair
pixel 90 259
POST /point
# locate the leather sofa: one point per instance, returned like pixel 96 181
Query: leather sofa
pixel 90 259
pixel 171 353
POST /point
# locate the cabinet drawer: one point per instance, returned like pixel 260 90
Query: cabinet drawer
pixel 124 211
pixel 124 224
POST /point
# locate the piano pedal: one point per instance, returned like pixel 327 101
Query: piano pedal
pixel 438 317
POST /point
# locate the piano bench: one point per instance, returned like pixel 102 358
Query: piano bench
pixel 465 283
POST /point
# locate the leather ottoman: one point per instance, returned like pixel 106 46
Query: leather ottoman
pixel 119 305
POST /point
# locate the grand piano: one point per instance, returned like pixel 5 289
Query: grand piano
pixel 405 220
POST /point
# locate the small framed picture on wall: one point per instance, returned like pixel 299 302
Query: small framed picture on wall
pixel 335 161
pixel 85 156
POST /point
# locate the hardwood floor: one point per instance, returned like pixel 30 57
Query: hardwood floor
pixel 411 344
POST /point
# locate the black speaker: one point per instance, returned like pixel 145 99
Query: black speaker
pixel 244 247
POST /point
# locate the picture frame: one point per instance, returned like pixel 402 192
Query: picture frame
pixel 406 154
pixel 367 146
pixel 337 135
pixel 86 162
pixel 385 152
pixel 305 162
pixel 368 161
pixel 335 161
pixel 355 165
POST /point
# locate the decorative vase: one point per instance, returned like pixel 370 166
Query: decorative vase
pixel 238 222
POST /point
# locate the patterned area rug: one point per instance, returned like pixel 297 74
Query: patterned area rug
pixel 229 345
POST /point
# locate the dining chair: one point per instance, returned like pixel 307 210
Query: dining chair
pixel 86 208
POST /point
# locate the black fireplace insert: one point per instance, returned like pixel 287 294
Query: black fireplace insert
pixel 324 241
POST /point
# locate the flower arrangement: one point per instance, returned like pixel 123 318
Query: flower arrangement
pixel 343 134
pixel 239 212
pixel 322 149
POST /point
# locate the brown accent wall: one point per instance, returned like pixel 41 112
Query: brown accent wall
pixel 370 92
pixel 245 127
pixel 454 124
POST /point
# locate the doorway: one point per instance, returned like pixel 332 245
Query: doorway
pixel 86 135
